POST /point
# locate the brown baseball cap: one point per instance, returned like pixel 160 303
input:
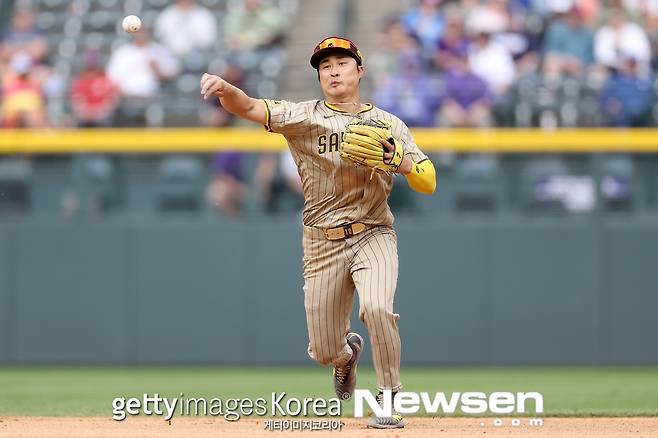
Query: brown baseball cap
pixel 335 44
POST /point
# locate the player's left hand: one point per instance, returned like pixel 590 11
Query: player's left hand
pixel 405 165
pixel 389 150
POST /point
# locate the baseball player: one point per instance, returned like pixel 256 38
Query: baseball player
pixel 347 153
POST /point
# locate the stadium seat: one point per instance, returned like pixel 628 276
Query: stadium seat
pixel 535 176
pixel 113 5
pixel 47 21
pixel 617 183
pixel 158 4
pixel 477 184
pixel 51 5
pixel 95 183
pixel 181 182
pixel 213 4
pixel 15 181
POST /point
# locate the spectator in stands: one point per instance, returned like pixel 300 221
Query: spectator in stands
pixel 185 27
pixel 93 96
pixel 493 13
pixel 138 68
pixel 568 45
pixel 22 37
pixel 425 23
pixel 621 38
pixel 627 96
pixel 23 103
pixel 640 8
pixel 228 189
pixel 411 94
pixel 506 28
pixel 395 44
pixel 454 43
pixel 466 101
pixel 254 35
pixel 254 27
pixel 589 9
pixel 491 60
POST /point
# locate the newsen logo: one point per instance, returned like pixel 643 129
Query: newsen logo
pixel 466 402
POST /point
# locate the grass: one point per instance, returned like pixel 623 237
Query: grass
pixel 88 391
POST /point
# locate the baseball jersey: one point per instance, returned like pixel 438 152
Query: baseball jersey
pixel 335 192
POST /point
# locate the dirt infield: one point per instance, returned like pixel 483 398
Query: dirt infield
pixel 60 427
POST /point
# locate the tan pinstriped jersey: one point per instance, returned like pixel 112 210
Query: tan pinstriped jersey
pixel 335 192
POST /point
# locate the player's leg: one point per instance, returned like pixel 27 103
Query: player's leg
pixel 328 298
pixel 375 273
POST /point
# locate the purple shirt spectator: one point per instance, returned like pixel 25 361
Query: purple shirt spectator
pixel 229 163
pixel 449 49
pixel 465 88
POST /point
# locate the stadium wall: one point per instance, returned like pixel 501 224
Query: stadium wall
pixel 470 291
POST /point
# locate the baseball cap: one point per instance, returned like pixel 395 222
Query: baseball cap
pixel 335 44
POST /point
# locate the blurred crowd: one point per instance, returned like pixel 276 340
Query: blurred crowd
pixel 137 79
pixel 478 63
pixel 439 63
pixel 120 90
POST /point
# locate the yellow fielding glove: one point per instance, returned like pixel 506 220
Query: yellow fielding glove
pixel 362 145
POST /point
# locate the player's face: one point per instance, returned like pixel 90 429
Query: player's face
pixel 339 76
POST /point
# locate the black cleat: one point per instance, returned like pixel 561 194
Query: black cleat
pixel 345 376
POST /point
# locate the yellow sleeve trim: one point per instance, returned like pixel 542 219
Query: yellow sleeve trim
pixel 422 177
pixel 267 117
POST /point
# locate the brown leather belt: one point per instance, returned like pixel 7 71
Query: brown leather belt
pixel 344 231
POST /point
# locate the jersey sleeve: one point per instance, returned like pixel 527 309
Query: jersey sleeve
pixel 401 133
pixel 287 118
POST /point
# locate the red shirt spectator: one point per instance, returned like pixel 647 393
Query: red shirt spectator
pixel 93 96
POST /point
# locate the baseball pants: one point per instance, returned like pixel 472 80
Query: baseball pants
pixel 333 269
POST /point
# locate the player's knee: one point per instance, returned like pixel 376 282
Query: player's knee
pixel 373 313
pixel 324 360
pixel 316 352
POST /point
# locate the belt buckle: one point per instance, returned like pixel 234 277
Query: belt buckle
pixel 347 229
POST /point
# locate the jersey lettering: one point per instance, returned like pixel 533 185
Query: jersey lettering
pixel 333 144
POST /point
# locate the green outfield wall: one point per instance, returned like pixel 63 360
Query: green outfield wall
pixel 471 290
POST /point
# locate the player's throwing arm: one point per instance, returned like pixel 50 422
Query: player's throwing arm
pixel 233 99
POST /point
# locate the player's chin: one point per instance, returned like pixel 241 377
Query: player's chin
pixel 334 91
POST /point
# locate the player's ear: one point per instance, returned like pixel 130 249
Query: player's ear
pixel 360 70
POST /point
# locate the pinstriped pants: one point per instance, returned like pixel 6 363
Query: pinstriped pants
pixel 367 262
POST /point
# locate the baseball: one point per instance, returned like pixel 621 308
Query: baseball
pixel 131 23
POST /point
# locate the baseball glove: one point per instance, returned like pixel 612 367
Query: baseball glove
pixel 362 144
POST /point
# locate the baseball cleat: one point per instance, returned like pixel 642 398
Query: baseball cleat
pixel 395 421
pixel 345 376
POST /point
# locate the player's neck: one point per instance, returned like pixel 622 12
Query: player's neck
pixel 351 104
